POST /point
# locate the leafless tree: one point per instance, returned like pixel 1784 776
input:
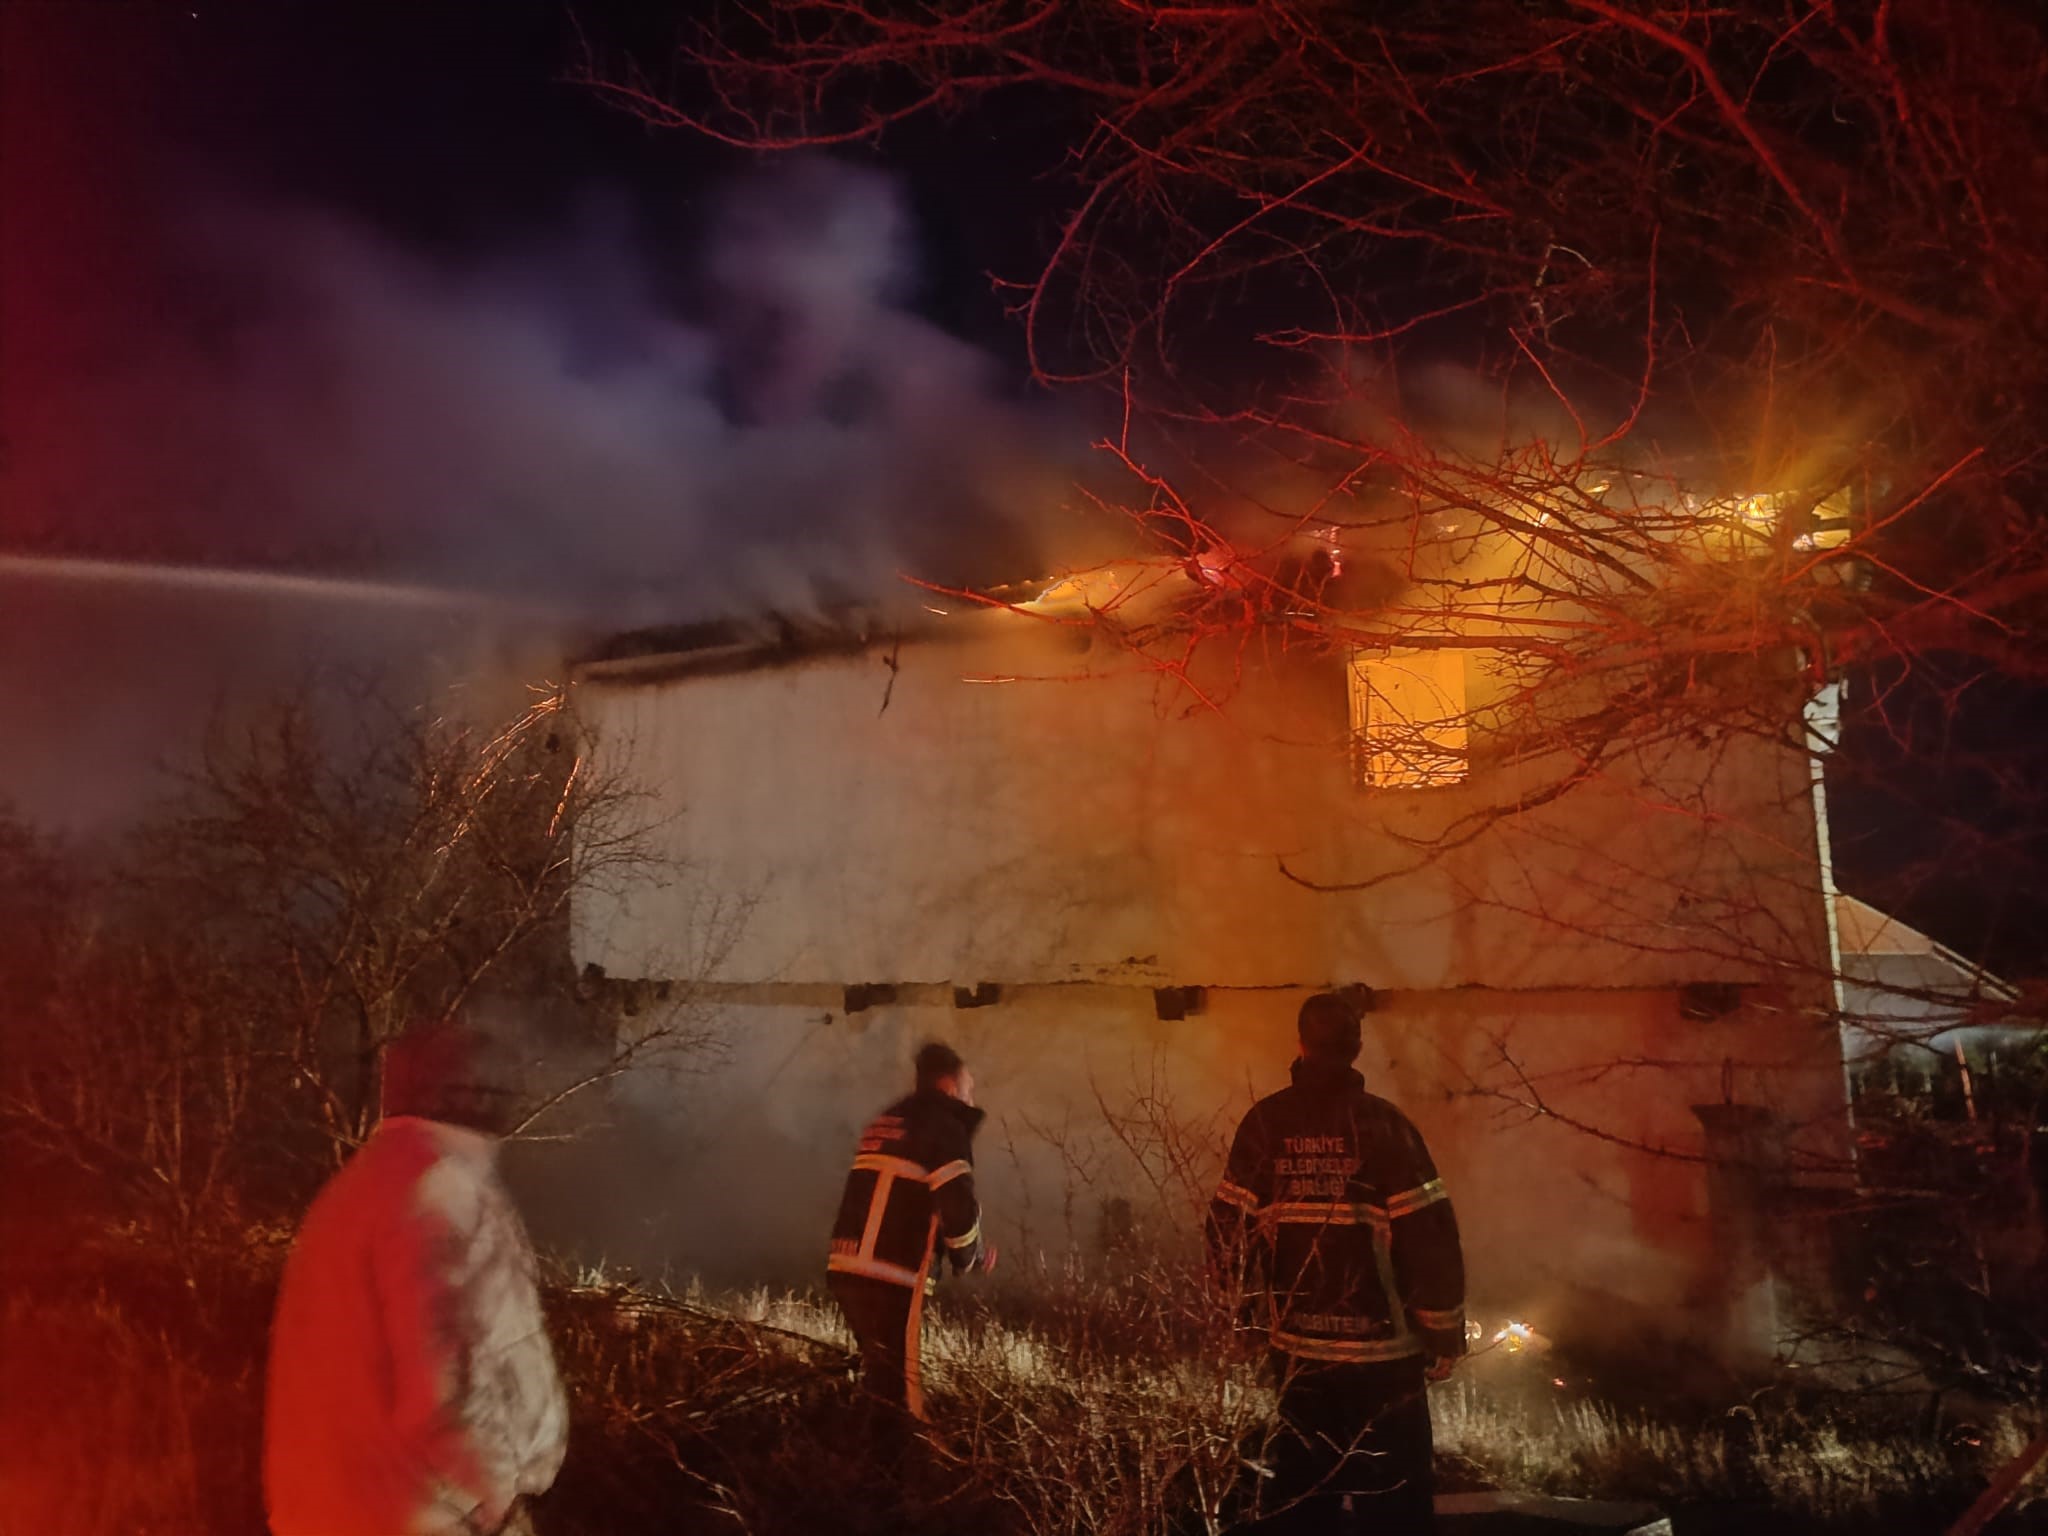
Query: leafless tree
pixel 209 1018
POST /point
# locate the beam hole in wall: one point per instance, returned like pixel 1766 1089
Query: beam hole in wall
pixel 871 994
pixel 981 995
pixel 1174 1003
pixel 1702 1002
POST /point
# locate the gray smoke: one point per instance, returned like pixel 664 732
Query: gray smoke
pixel 547 421
pixel 638 435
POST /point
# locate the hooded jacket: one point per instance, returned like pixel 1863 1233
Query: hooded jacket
pixel 412 1390
pixel 910 1190
pixel 1332 1226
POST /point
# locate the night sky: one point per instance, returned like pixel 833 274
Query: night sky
pixel 156 158
pixel 453 126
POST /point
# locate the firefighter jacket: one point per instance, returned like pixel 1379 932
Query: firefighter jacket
pixel 1331 1219
pixel 412 1391
pixel 911 1188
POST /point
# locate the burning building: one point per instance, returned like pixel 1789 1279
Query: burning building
pixel 1109 869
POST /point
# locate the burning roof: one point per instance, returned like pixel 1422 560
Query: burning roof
pixel 743 644
pixel 1131 594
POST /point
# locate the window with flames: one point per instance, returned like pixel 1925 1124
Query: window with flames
pixel 1409 724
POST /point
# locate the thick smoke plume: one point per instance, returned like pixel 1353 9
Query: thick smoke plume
pixel 549 421
pixel 626 434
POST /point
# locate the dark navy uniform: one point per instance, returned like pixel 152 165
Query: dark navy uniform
pixel 1332 1228
pixel 909 1195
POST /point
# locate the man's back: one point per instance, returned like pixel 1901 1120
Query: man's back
pixel 910 1189
pixel 912 1180
pixel 411 1388
pixel 1335 1233
pixel 1331 1201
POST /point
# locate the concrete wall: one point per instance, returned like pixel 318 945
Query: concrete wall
pixel 1565 1121
pixel 999 807
pixel 892 820
pixel 1093 1100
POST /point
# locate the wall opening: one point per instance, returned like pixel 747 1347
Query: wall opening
pixel 1409 724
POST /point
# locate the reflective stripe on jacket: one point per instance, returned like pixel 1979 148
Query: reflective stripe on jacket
pixel 910 1191
pixel 1333 1228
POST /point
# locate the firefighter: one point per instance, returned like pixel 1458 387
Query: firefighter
pixel 909 1193
pixel 1333 1234
pixel 411 1385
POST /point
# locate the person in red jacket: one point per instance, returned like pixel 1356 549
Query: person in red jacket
pixel 412 1390
pixel 908 1195
pixel 1333 1235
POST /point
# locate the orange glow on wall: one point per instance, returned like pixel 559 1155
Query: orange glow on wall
pixel 1408 718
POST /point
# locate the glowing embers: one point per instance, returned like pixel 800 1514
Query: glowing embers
pixel 1409 724
pixel 1212 565
pixel 1083 591
pixel 1131 589
pixel 1516 1337
pixel 1511 1337
pixel 1743 524
pixel 1755 512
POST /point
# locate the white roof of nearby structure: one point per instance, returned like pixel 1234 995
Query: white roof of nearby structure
pixel 1866 931
pixel 1897 979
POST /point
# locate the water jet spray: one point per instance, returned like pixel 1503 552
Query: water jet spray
pixel 241 582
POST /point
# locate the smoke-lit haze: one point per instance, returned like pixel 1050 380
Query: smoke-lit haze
pixel 539 422
pixel 621 427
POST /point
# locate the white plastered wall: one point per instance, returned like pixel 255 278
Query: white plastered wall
pixel 1575 1211
pixel 891 818
pixel 883 818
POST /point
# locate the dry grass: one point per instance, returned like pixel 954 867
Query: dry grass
pixel 1053 1422
pixel 1085 1414
pixel 1847 1466
pixel 1574 1448
pixel 1062 1433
